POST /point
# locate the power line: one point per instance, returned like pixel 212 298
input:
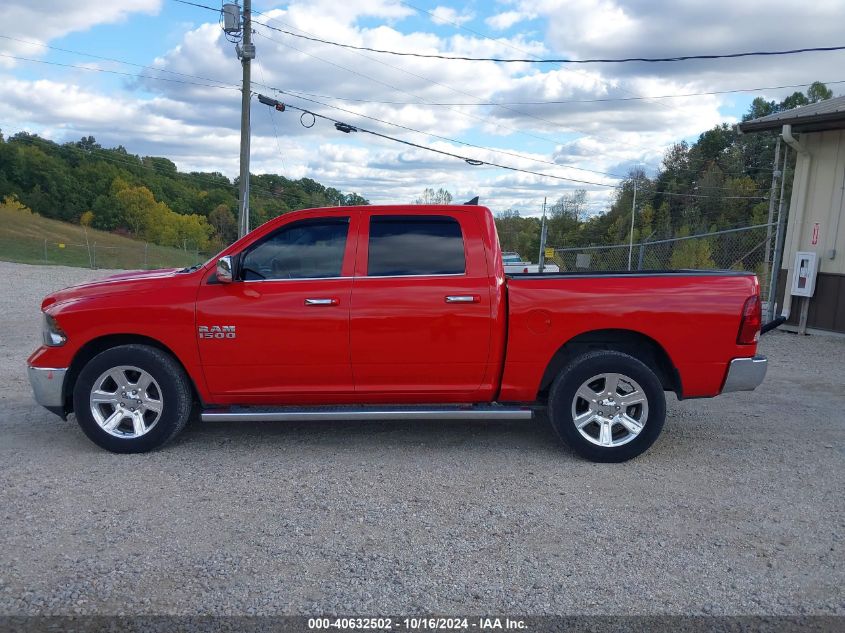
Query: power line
pixel 116 72
pixel 298 95
pixel 457 91
pixel 701 195
pixel 347 128
pixel 273 122
pixel 201 6
pixel 451 140
pixel 508 60
pixel 109 59
pixel 516 48
pixel 566 101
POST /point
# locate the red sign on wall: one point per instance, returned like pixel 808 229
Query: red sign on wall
pixel 815 239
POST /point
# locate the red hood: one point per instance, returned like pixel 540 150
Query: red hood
pixel 121 282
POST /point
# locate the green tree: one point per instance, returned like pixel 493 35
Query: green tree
pixel 818 92
pixel 430 196
pixel 691 253
pixel 136 208
pixel 519 234
pixel 224 223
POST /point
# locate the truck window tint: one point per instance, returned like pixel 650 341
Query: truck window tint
pixel 303 250
pixel 415 245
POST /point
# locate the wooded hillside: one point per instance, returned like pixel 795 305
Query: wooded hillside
pixel 145 197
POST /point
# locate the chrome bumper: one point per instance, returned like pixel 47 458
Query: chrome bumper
pixel 48 386
pixel 745 374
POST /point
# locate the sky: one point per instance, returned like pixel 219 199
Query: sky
pixel 160 78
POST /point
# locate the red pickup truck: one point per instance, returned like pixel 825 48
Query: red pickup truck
pixel 381 312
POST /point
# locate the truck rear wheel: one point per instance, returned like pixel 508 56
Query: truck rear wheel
pixel 132 399
pixel 607 406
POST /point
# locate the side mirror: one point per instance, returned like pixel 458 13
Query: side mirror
pixel 224 270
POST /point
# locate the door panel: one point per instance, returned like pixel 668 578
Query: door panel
pixel 407 337
pixel 291 331
pixel 283 345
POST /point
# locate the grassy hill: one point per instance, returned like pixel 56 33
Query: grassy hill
pixel 31 239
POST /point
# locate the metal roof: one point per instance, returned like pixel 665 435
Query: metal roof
pixel 816 117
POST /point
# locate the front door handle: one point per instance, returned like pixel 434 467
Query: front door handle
pixel 463 299
pixel 321 302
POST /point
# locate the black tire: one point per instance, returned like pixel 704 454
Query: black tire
pixel 176 397
pixel 562 400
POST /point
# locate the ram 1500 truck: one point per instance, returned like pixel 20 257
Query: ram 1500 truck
pixel 379 312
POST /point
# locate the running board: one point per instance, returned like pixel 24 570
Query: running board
pixel 374 412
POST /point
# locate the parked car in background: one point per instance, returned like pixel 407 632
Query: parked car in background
pixel 513 264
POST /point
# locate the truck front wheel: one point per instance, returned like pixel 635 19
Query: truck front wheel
pixel 607 406
pixel 132 399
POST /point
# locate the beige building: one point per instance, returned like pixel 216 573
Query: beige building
pixel 817 133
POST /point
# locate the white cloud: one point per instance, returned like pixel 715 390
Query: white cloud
pixel 41 21
pixel 611 28
pixel 448 15
pixel 505 20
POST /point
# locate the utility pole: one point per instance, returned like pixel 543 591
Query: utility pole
pixel 246 53
pixel 780 235
pixel 633 213
pixel 542 259
pixel 234 27
pixel 770 304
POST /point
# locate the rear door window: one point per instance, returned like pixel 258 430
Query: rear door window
pixel 402 245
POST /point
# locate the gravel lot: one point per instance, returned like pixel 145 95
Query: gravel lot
pixel 737 509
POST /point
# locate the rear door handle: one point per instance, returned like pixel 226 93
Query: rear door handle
pixel 321 302
pixel 463 299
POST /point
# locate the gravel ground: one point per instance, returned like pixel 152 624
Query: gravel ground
pixel 737 509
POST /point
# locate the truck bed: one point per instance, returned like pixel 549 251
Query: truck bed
pixel 691 315
pixel 631 273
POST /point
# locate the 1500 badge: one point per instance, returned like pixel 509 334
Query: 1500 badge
pixel 217 331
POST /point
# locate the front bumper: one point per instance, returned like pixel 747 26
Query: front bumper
pixel 48 386
pixel 745 374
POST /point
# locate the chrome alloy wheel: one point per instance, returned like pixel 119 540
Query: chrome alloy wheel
pixel 610 409
pixel 126 401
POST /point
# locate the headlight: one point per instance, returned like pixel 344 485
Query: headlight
pixel 52 333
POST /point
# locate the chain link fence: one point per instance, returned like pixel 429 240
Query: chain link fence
pixel 143 256
pixel 748 248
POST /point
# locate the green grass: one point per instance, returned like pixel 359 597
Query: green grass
pixel 31 239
